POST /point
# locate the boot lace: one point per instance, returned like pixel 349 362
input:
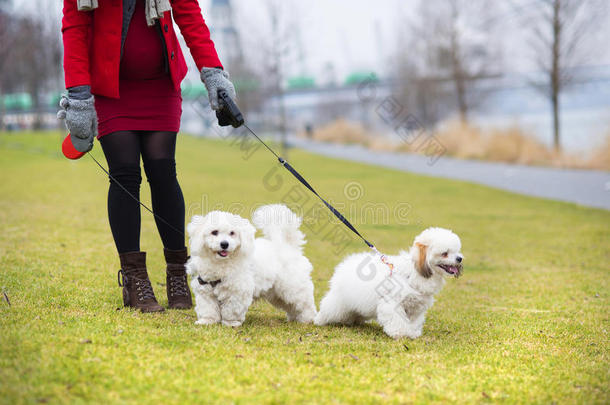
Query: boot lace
pixel 178 285
pixel 143 286
pixel 144 289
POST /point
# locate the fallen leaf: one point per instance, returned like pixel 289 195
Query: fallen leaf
pixel 239 356
pixel 6 298
pixel 85 341
pixel 484 394
pixel 405 346
pixel 354 357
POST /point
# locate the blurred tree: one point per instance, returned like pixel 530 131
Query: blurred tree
pixel 30 53
pixel 272 51
pixel 37 58
pixel 279 49
pixel 7 36
pixel 450 42
pixel 229 44
pixel 559 30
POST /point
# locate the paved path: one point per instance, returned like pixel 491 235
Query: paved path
pixel 586 187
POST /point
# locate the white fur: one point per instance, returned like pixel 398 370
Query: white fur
pixel 272 267
pixel 362 287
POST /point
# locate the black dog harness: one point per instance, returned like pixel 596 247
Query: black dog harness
pixel 212 283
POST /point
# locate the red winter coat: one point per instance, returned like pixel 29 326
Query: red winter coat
pixel 92 43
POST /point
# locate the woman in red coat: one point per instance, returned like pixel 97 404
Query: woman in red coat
pixel 123 68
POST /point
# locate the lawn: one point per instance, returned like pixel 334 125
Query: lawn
pixel 528 321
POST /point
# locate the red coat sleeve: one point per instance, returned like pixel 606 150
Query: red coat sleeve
pixel 187 15
pixel 76 28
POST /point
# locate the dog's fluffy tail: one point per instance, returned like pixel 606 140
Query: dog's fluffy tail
pixel 279 224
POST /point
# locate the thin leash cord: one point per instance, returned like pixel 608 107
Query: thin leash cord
pixel 133 196
pixel 332 209
pixel 263 142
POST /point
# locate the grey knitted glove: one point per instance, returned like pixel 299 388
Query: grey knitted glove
pixel 217 79
pixel 81 121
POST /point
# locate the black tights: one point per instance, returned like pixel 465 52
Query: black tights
pixel 123 150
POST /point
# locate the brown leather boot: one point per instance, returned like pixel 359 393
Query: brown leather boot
pixel 137 291
pixel 178 292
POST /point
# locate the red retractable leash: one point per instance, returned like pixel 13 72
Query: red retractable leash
pixel 69 151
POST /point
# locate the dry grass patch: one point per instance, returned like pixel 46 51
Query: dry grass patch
pixel 465 141
pixel 342 131
pixel 513 145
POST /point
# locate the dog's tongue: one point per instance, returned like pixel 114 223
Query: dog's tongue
pixel 453 269
pixel 223 253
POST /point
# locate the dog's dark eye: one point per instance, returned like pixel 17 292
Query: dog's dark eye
pixel 445 254
pixel 232 233
pixel 215 233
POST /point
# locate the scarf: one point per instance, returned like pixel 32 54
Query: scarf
pixel 154 8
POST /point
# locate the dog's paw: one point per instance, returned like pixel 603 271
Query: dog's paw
pixel 304 318
pixel 414 334
pixel 320 320
pixel 409 334
pixel 233 324
pixel 206 321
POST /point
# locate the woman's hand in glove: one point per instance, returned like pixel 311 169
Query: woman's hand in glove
pixel 217 79
pixel 78 110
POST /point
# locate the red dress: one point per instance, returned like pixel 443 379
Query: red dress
pixel 148 99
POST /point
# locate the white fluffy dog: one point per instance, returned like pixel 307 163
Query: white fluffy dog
pixel 362 287
pixel 230 267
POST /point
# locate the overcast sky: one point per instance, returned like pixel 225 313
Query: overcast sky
pixel 352 35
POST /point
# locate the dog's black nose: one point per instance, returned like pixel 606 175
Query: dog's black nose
pixel 459 259
pixel 224 244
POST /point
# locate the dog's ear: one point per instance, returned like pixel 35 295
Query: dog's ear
pixel 246 236
pixel 422 266
pixel 195 231
pixel 196 221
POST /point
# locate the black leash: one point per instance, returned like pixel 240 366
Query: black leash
pixel 332 209
pixel 300 178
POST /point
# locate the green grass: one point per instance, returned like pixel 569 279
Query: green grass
pixel 528 321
